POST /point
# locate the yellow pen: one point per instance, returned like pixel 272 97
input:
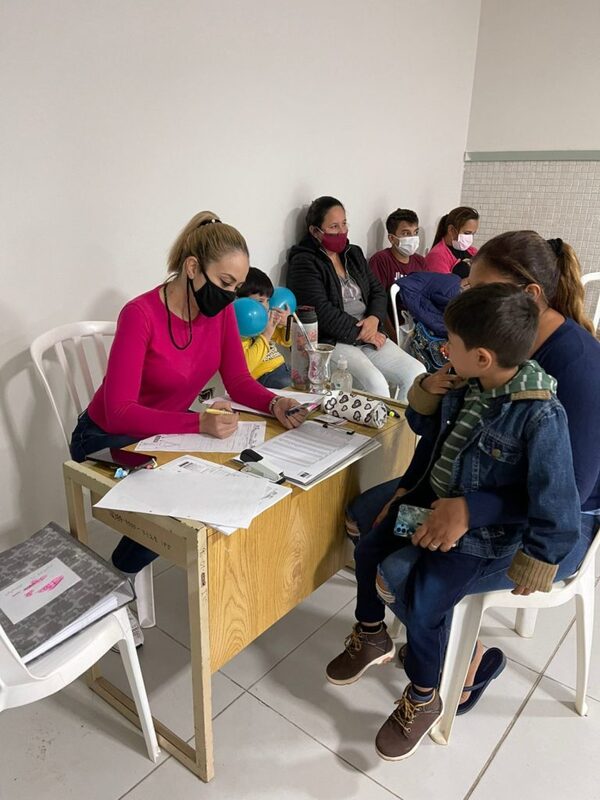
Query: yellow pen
pixel 218 411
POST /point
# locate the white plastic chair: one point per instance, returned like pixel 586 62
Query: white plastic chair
pixel 466 622
pixel 72 335
pixel 591 277
pixel 21 684
pixel 81 388
pixel 394 289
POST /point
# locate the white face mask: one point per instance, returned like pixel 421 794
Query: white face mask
pixel 407 245
pixel 464 241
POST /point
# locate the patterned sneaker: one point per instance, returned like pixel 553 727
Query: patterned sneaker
pixel 363 650
pixel 401 734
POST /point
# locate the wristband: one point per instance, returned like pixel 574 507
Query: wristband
pixel 272 404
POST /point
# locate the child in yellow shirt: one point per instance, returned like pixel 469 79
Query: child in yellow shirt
pixel 265 362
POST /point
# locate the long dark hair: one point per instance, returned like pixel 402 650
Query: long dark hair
pixel 526 257
pixel 457 217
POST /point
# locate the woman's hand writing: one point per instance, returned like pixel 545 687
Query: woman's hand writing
pixel 219 425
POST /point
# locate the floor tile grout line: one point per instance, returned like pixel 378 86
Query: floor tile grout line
pixel 571 688
pixel 293 650
pixel 326 747
pixel 517 715
pixel 172 758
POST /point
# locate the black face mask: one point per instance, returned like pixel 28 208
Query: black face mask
pixel 210 298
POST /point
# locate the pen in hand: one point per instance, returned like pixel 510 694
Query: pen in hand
pixel 218 411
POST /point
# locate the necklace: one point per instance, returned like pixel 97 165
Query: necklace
pixel 169 324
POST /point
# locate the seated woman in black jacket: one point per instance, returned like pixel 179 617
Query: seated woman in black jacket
pixel 327 272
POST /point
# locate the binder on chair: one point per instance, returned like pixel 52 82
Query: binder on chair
pixel 51 587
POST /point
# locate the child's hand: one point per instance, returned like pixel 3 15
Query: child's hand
pixel 441 382
pixel 271 325
pixel 281 314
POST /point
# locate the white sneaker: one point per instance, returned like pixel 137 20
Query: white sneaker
pixel 138 633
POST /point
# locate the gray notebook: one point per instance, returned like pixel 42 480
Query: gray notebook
pixel 51 587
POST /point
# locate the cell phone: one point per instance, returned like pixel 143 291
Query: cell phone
pixel 116 457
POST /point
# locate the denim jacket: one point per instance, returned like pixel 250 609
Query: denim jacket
pixel 521 444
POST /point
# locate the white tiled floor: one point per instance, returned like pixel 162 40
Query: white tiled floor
pixel 282 732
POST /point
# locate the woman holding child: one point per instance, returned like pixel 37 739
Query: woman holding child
pixel 565 347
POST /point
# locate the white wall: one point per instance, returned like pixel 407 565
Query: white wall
pixel 122 118
pixel 537 76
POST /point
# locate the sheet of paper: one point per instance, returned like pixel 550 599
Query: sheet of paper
pixel 274 492
pixel 248 434
pixel 301 397
pixel 190 488
pixel 307 452
pixel 36 589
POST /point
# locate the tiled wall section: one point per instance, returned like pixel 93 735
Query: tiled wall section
pixel 555 198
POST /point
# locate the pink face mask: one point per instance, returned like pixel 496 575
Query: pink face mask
pixel 334 242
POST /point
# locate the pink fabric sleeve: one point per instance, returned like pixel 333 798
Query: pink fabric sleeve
pixel 124 413
pixel 437 260
pixel 240 385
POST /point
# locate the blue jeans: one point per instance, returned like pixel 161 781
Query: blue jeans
pixel 427 585
pixel 87 438
pixel 280 378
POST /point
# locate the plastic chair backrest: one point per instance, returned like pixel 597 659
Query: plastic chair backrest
pixel 394 289
pixel 78 375
pixel 586 279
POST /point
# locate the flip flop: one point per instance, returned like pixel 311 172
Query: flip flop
pixel 492 664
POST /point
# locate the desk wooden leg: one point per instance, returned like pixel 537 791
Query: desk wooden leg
pixel 76 510
pixel 197 584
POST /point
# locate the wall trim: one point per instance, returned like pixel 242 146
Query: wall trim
pixel 532 155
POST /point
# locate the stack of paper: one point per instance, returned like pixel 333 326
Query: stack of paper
pixel 191 488
pixel 313 452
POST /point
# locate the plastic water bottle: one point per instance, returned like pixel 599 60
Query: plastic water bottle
pixel 341 379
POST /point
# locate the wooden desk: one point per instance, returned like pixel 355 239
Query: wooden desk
pixel 239 585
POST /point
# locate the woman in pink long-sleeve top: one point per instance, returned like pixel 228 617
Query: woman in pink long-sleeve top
pixel 169 342
pixel 453 241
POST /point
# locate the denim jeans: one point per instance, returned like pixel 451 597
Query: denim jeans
pixel 280 378
pixel 87 438
pixel 374 369
pixel 427 585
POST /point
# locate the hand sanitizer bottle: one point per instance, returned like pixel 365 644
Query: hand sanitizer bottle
pixel 341 379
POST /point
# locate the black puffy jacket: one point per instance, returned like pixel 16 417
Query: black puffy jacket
pixel 312 278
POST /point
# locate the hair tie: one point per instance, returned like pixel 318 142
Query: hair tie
pixel 209 222
pixel 557 246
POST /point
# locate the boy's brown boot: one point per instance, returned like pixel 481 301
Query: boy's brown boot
pixel 362 650
pixel 411 721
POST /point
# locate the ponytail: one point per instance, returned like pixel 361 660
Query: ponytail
pixel 442 229
pixel 206 238
pixel 457 217
pixel 524 257
pixel 568 298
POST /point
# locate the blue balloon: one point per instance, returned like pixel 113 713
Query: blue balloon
pixel 252 316
pixel 284 299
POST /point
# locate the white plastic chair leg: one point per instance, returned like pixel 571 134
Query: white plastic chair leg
pixel 394 628
pixel 525 622
pixel 463 636
pixel 138 690
pixel 144 590
pixel 585 632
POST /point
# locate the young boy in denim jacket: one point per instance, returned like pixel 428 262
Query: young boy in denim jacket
pixel 502 429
